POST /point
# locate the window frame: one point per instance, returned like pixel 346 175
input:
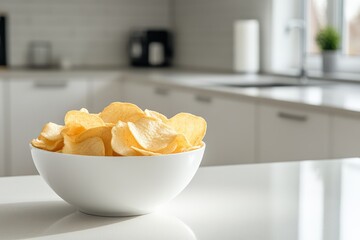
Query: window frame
pixel 335 16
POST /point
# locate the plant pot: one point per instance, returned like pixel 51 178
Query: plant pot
pixel 329 61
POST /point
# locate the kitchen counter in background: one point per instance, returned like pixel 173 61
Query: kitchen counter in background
pixel 331 95
pixel 317 121
pixel 273 201
pixel 321 94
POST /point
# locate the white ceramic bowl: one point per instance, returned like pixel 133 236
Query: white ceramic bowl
pixel 117 186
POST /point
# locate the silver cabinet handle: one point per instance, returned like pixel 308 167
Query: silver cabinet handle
pixel 50 84
pixel 291 116
pixel 203 99
pixel 161 91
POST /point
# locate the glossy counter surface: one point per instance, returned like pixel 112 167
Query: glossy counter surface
pixel 329 96
pixel 277 201
pixel 338 96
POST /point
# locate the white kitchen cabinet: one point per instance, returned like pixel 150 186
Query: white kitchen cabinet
pixel 231 123
pixel 345 136
pixel 34 102
pixel 148 96
pixel 104 91
pixel 230 137
pixel 2 128
pixel 289 133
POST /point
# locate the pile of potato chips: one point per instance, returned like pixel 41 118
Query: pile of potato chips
pixel 122 129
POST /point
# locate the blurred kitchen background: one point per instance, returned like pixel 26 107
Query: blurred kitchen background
pixel 253 69
pixel 95 34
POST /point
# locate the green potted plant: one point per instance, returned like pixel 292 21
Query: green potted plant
pixel 328 40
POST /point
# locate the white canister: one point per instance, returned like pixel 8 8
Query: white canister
pixel 246 46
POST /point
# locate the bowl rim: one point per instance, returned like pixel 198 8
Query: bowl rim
pixel 118 157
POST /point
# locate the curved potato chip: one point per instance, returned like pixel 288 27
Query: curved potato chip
pixel 145 152
pixel 152 134
pixel 193 127
pixel 73 129
pixel 119 111
pixel 170 148
pixel 182 143
pixel 122 140
pixel 91 146
pixel 53 145
pixel 103 132
pixel 84 119
pixel 52 131
pixel 156 115
pixel 195 147
pixel 45 144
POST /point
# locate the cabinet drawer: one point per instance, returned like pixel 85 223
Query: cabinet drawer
pixel 231 126
pixel 32 104
pixel 292 134
pixel 345 137
pixel 149 96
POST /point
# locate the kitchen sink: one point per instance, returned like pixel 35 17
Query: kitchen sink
pixel 269 85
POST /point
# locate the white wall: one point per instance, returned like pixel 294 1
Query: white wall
pixel 286 44
pixel 204 31
pixel 88 32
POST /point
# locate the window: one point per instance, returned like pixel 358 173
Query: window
pixel 344 15
pixel 351 27
pixel 328 12
pixel 317 19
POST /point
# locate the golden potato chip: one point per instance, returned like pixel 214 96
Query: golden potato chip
pixel 145 152
pixel 182 144
pixel 194 147
pixel 119 111
pixel 152 134
pixel 50 138
pixel 73 129
pixel 84 119
pixel 122 140
pixel 38 143
pixel 156 115
pixel 53 145
pixel 52 131
pixel 169 148
pixel 122 129
pixel 45 144
pixel 193 127
pixel 91 146
pixel 103 132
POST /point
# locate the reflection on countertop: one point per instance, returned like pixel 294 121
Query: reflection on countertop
pixel 274 201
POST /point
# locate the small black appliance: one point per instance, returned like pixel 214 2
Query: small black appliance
pixel 3 56
pixel 150 48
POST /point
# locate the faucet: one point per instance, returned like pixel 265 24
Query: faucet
pixel 300 25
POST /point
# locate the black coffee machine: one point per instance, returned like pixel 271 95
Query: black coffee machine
pixel 3 57
pixel 150 48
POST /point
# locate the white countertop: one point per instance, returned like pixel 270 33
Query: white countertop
pixel 333 96
pixel 277 201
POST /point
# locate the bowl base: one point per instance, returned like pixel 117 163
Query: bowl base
pixel 115 214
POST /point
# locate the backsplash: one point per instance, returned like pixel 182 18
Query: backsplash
pixel 204 31
pixel 86 32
